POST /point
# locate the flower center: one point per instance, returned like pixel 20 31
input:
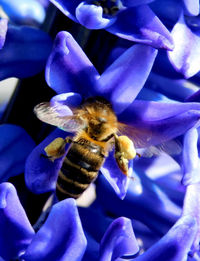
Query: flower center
pixel 110 7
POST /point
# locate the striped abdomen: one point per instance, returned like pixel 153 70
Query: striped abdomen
pixel 79 169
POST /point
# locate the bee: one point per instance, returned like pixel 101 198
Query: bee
pixel 96 131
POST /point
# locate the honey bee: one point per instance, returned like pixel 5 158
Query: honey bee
pixel 96 131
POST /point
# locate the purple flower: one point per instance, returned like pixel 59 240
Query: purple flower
pixel 131 20
pixel 3 31
pixel 21 12
pixel 120 83
pixel 24 52
pixel 61 237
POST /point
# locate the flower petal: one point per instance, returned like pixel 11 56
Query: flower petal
pixel 118 240
pixel 118 181
pixel 23 12
pixel 67 7
pixel 185 55
pixel 3 31
pixel 68 68
pixel 175 245
pixel 12 157
pixel 191 161
pixel 191 207
pixel 191 7
pixel 40 172
pixel 123 80
pixel 16 232
pixel 91 16
pixel 130 3
pixel 24 53
pixel 61 237
pixel 143 27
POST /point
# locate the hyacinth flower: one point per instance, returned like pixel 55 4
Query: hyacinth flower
pixel 24 50
pixel 73 77
pixel 131 20
pixel 61 237
pixel 12 157
pixel 23 12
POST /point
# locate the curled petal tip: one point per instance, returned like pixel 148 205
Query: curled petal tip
pixel 5 188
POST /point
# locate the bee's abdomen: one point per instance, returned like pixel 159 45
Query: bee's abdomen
pixel 79 169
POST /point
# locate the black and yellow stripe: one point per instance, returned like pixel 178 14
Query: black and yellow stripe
pixel 80 168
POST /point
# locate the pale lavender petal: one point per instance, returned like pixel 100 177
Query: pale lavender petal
pixel 143 27
pixel 16 231
pixel 124 79
pixel 118 181
pixel 91 16
pixel 3 31
pixel 175 245
pixel 191 7
pixel 186 53
pixel 191 161
pixel 119 240
pixel 191 207
pixel 68 68
pixel 40 172
pixel 61 238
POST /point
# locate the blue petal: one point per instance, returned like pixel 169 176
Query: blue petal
pixel 175 245
pixel 68 68
pixel 191 7
pixel 67 7
pixel 40 172
pixel 61 237
pixel 12 156
pixel 191 161
pixel 143 27
pixel 91 16
pixel 24 53
pixel 16 232
pixel 3 31
pixel 23 12
pixel 118 240
pixel 115 177
pixel 185 55
pixel 121 82
pixel 130 3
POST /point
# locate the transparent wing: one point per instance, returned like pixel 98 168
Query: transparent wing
pixel 51 115
pixel 146 142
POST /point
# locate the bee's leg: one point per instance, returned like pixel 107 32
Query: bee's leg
pixel 56 149
pixel 124 151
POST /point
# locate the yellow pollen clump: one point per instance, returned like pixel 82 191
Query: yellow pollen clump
pixel 126 147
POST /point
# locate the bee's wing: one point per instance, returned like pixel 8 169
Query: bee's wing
pixel 143 138
pixel 50 114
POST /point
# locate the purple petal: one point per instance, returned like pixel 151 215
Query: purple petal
pixel 191 161
pixel 12 140
pixel 24 53
pixel 67 7
pixel 143 27
pixel 175 245
pixel 118 240
pixel 118 181
pixel 16 232
pixel 191 7
pixel 40 172
pixel 63 100
pixel 130 3
pixel 3 31
pixel 124 79
pixel 191 207
pixel 91 16
pixel 61 237
pixel 68 68
pixel 185 55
